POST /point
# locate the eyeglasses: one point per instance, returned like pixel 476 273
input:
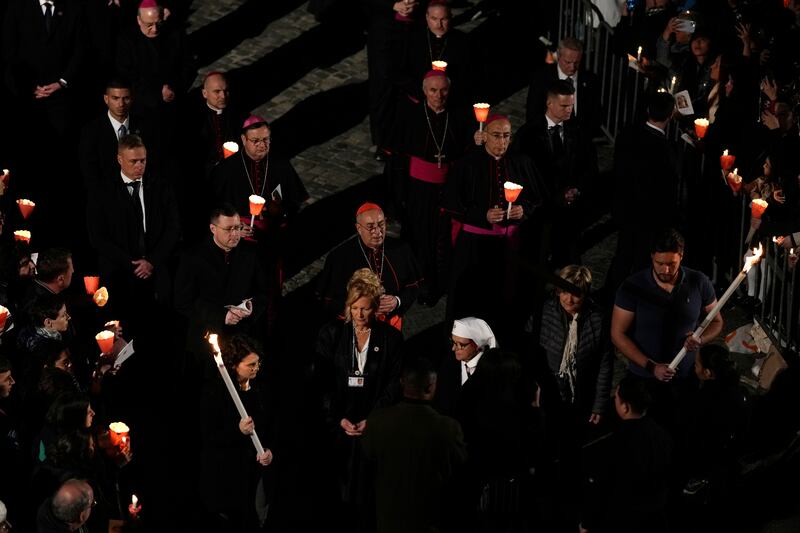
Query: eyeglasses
pixel 232 229
pixel 265 141
pixel 460 346
pixel 380 226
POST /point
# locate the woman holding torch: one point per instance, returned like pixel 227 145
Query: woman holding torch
pixel 231 469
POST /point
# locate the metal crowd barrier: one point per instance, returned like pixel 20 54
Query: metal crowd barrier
pixel 776 288
pixel 620 87
pixel 619 84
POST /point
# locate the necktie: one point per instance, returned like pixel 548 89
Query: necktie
pixel 555 140
pixel 122 132
pixel 570 81
pixel 48 16
pixel 139 214
pixel 469 370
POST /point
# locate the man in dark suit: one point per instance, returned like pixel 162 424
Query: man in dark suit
pixel 133 226
pixel 416 451
pixel 43 49
pixel 564 154
pixel 215 119
pixel 646 189
pixel 216 276
pixel 99 139
pixel 587 107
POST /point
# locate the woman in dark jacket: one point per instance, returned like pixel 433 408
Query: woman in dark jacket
pixel 231 468
pixel 360 362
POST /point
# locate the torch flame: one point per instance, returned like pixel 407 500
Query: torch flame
pixel 212 340
pixel 135 501
pixel 753 259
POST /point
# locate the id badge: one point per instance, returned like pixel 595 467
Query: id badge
pixel 355 381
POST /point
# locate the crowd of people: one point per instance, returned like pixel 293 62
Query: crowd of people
pixel 512 418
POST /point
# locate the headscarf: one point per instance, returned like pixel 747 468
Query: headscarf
pixel 476 330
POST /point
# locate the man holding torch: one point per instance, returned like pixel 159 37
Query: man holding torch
pixel 655 314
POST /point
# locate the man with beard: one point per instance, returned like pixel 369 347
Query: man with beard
pixel 655 314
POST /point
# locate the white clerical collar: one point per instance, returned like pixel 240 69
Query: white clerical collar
pixel 43 2
pixel 648 123
pixel 116 123
pixel 214 109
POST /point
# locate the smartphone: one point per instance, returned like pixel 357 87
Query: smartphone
pixel 686 26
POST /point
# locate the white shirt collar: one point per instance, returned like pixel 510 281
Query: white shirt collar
pixel 43 2
pixel 562 76
pixel 550 122
pixel 472 363
pixel 214 109
pixel 126 179
pixel 116 124
pixel 648 123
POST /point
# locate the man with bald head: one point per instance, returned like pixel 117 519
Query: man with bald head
pixel 390 259
pixel 486 250
pixel 215 120
pixel 69 508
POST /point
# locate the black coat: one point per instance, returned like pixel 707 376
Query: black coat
pixel 113 225
pixel 575 167
pixel 98 149
pixel 205 284
pixel 35 58
pixel 587 94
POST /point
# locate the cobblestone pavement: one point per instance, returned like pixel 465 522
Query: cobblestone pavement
pixel 347 159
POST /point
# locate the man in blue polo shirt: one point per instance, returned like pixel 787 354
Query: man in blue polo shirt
pixel 657 309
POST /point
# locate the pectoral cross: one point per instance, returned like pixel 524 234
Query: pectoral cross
pixel 439 157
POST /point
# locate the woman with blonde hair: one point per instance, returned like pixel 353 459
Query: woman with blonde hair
pixel 359 359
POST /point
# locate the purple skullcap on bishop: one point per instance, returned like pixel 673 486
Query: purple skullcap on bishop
pixel 252 120
pixel 146 4
pixel 494 118
pixel 434 73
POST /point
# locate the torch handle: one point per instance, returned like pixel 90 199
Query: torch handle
pixel 749 236
pixel 710 316
pixel 237 401
pixel 508 213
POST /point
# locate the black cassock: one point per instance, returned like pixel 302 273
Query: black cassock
pixel 393 263
pixel 485 258
pixel 421 139
pixel 208 279
pixel 234 179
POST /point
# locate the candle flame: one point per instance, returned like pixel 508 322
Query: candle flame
pixel 725 152
pixel 134 501
pixel 119 427
pixel 753 259
pixel 639 51
pixel 511 185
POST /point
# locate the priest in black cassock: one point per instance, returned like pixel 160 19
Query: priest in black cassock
pixel 221 271
pixel 215 120
pixel 391 260
pixel 487 245
pixel 133 225
pixel 431 138
pixel 255 170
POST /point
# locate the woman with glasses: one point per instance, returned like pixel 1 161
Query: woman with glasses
pixel 231 468
pixel 359 364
